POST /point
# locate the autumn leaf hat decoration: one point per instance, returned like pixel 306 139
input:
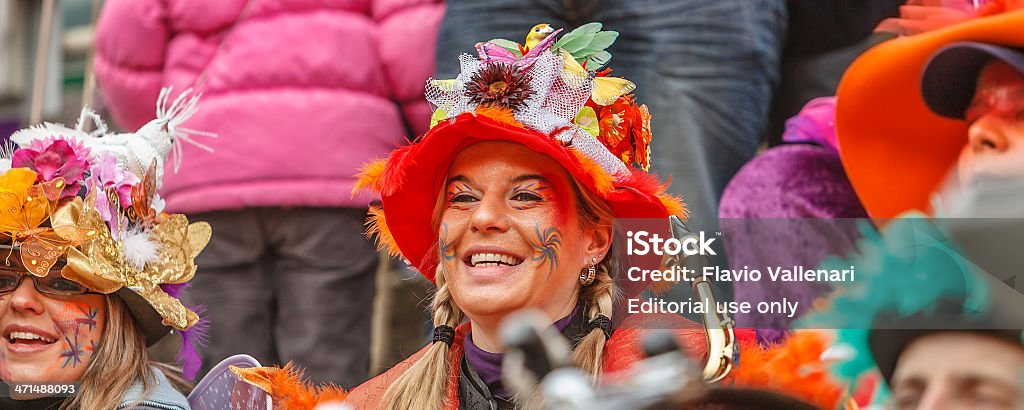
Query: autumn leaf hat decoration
pixel 89 201
pixel 550 94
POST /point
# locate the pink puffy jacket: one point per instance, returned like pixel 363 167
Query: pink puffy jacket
pixel 300 92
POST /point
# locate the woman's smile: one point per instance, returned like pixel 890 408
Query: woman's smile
pixel 492 262
pixel 24 339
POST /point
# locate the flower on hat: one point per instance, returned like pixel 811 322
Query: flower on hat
pixel 625 129
pixel 57 159
pixel 615 124
pixel 642 136
pixel 112 183
pixel 17 181
pixel 587 120
pixel 498 84
pixel 28 205
pixel 108 175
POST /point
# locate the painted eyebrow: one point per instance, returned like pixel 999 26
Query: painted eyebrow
pixel 518 179
pixel 529 177
pixel 457 178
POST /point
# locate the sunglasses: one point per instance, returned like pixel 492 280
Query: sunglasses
pixel 52 284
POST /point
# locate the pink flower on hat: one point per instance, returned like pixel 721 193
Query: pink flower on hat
pixel 107 176
pixel 58 159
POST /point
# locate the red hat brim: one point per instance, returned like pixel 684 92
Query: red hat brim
pixel 413 175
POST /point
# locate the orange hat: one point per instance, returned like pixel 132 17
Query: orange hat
pixel 895 150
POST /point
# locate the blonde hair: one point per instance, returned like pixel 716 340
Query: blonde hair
pixel 425 384
pixel 598 298
pixel 120 360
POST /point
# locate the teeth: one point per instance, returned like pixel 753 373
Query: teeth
pixel 493 259
pixel 28 336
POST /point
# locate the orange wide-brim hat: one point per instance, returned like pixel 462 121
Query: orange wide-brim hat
pixel 895 150
pixel 410 180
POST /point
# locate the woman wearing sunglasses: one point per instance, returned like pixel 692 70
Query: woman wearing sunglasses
pixel 53 328
pixel 91 270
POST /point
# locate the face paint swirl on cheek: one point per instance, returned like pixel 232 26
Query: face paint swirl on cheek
pixel 445 250
pixel 546 246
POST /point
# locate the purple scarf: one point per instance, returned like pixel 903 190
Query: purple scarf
pixel 487 365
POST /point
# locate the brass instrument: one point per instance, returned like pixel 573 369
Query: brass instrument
pixel 722 349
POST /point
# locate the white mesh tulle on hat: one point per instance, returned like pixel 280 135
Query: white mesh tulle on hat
pixel 557 99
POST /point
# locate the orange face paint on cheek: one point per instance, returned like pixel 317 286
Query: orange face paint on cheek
pixel 80 325
pixel 559 193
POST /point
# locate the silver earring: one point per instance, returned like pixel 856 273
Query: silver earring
pixel 588 275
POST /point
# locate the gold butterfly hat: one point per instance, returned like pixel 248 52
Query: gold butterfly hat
pixel 89 200
pixel 548 95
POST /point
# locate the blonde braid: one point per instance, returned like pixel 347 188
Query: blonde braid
pixel 597 300
pixel 425 384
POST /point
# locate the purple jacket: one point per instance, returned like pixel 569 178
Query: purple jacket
pixel 300 92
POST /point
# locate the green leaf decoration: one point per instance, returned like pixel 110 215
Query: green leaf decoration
pixel 579 38
pixel 601 41
pixel 438 116
pixel 508 45
pixel 588 44
pixel 598 60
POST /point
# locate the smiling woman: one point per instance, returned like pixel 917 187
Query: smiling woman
pixel 91 268
pixel 509 202
pixel 58 332
pixel 50 325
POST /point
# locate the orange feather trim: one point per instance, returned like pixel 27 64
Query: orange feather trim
pixel 649 183
pixel 377 230
pixel 673 204
pixel 793 367
pixel 393 175
pixel 286 388
pixel 369 176
pixel 603 182
pixel 499 114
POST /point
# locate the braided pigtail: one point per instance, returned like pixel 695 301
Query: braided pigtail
pixel 425 384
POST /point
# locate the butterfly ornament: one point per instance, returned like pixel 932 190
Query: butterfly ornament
pixel 24 207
